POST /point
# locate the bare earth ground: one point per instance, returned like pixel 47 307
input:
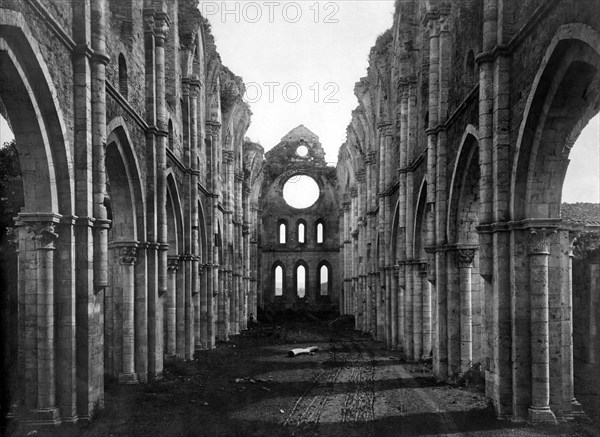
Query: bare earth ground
pixel 250 387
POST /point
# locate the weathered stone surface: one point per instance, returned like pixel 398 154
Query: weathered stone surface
pixel 484 101
pixel 282 163
pixel 116 109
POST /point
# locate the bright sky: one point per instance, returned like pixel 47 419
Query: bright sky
pixel 313 52
pixel 582 182
pixel 300 61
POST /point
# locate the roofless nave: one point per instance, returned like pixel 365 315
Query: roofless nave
pixel 150 228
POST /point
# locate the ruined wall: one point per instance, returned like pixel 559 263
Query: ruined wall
pixel 450 181
pixel 282 163
pixel 131 138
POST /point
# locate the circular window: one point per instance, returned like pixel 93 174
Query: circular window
pixel 301 191
pixel 302 151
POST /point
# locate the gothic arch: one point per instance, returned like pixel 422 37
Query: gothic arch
pixel 420 226
pixel 202 236
pixel 323 263
pixel 273 281
pixel 123 154
pixel 175 228
pixel 395 244
pixel 464 176
pixel 126 211
pixel 297 265
pixel 565 95
pixel 28 94
pixel 301 222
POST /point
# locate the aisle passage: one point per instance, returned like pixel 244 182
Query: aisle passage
pixel 351 387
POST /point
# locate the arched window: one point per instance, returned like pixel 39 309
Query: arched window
pixel 282 233
pixel 171 140
pixel 470 76
pixel 320 232
pixel 324 280
pixel 301 281
pixel 278 281
pixel 122 76
pixel 301 232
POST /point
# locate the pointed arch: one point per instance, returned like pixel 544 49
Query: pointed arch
pixel 419 226
pixel 465 176
pixel 278 275
pixel 324 278
pixel 562 100
pixel 301 279
pixel 175 228
pixel 119 138
pixel 36 118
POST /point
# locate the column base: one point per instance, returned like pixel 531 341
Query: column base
pixel 541 415
pixel 128 378
pixel 576 409
pixel 44 417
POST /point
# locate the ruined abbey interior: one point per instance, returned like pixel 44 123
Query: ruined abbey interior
pixel 150 228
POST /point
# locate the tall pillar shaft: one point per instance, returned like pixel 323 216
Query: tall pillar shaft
pixel 171 308
pixel 465 267
pixel 540 336
pixel 427 316
pixel 417 311
pixel 36 305
pixel 127 260
pixel 180 298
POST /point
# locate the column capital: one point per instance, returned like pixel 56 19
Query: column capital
pixel 228 156
pixel 465 256
pixel 128 255
pixel 540 239
pixel 149 20
pixel 161 27
pixel 370 157
pixel 173 263
pixel 213 127
pixel 361 175
pixel 43 233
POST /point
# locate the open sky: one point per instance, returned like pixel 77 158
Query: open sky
pixel 312 51
pixel 300 61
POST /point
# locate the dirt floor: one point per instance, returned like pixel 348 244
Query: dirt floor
pixel 250 387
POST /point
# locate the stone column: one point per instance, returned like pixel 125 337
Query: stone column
pixel 409 317
pixel 203 269
pixel 427 319
pixel 395 285
pixel 576 408
pixel 540 411
pixel 465 266
pixel 98 96
pixel 180 300
pixel 127 260
pixel 43 341
pixel 171 308
pixel 417 311
pixel 194 250
pixel 155 301
pixel 453 307
pixel 188 307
